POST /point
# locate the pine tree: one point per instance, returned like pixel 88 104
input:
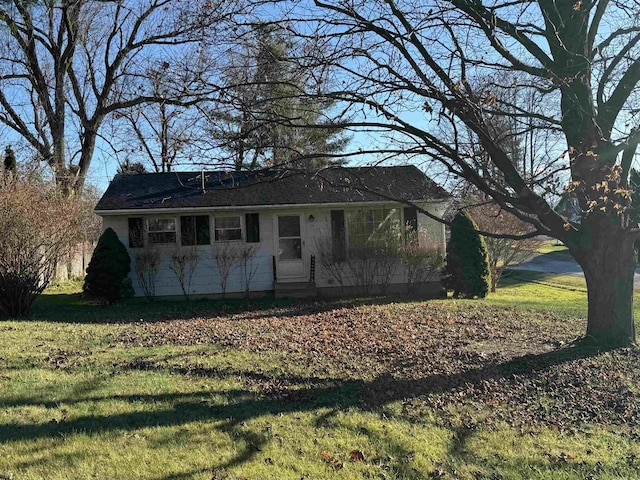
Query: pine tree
pixel 272 116
pixel 131 168
pixel 9 160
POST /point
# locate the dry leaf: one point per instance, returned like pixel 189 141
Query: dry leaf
pixel 331 460
pixel 356 456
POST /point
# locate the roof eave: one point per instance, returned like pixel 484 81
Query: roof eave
pixel 140 211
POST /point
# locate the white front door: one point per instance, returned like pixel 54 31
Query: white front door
pixel 289 248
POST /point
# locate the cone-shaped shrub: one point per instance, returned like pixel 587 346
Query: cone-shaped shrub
pixel 467 271
pixel 108 269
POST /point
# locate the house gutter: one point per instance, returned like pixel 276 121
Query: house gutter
pixel 156 211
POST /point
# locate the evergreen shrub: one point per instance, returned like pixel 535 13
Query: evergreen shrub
pixel 467 272
pixel 107 273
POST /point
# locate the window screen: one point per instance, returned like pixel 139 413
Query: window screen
pixel 228 228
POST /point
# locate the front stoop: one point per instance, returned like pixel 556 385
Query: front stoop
pixel 295 290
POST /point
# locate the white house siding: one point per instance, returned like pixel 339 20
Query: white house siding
pixel 205 280
pixel 319 232
pixel 316 226
pixel 434 230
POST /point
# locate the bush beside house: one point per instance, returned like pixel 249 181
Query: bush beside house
pixel 467 272
pixel 108 269
pixel 37 225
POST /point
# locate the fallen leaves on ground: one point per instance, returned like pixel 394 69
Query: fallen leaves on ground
pixel 356 456
pixel 332 461
pixel 503 364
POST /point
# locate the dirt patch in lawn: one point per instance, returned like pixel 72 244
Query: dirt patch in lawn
pixel 496 364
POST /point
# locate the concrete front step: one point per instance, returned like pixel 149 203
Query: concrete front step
pixel 295 289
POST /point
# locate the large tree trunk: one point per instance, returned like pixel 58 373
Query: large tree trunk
pixel 609 264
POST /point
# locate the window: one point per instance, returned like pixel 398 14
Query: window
pixel 411 218
pixel 289 237
pixel 375 227
pixel 136 232
pixel 161 230
pixel 228 228
pixel 411 224
pixel 194 230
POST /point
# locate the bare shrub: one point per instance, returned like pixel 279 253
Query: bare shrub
pixel 37 226
pixel 422 258
pixel 371 268
pixel 183 262
pixel 331 267
pixel 503 252
pixel 249 267
pixel 147 261
pixel 226 256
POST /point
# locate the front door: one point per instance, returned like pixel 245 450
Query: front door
pixel 289 246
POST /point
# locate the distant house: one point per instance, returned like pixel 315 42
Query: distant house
pixel 569 208
pixel 299 229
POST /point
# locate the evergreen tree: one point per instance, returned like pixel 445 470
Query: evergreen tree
pixel 272 116
pixel 467 271
pixel 108 269
pixel 9 160
pixel 129 168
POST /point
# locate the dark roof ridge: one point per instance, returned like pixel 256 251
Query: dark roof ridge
pixel 268 187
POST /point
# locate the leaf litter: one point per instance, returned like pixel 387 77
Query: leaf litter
pixel 506 365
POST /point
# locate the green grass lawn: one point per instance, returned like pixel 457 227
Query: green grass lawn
pixel 384 389
pixel 553 246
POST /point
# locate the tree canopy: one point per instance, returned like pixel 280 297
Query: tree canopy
pixel 269 112
pixel 68 65
pixel 428 78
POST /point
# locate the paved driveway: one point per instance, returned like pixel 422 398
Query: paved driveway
pixel 559 264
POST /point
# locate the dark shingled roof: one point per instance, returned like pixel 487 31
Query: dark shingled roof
pixel 242 189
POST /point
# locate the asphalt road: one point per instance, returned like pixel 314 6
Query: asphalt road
pixel 559 264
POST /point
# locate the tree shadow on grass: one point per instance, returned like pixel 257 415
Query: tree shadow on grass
pixel 72 308
pixel 520 464
pixel 243 405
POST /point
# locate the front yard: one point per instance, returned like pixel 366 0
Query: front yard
pixel 488 389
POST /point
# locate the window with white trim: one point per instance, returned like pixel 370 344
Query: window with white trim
pixel 228 228
pixel 161 231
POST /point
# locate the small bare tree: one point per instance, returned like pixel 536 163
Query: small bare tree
pixel 249 267
pixel 422 258
pixel 183 262
pixel 147 261
pixel 225 256
pixel 37 226
pixel 503 252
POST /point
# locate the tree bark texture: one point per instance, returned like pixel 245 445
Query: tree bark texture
pixel 607 256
